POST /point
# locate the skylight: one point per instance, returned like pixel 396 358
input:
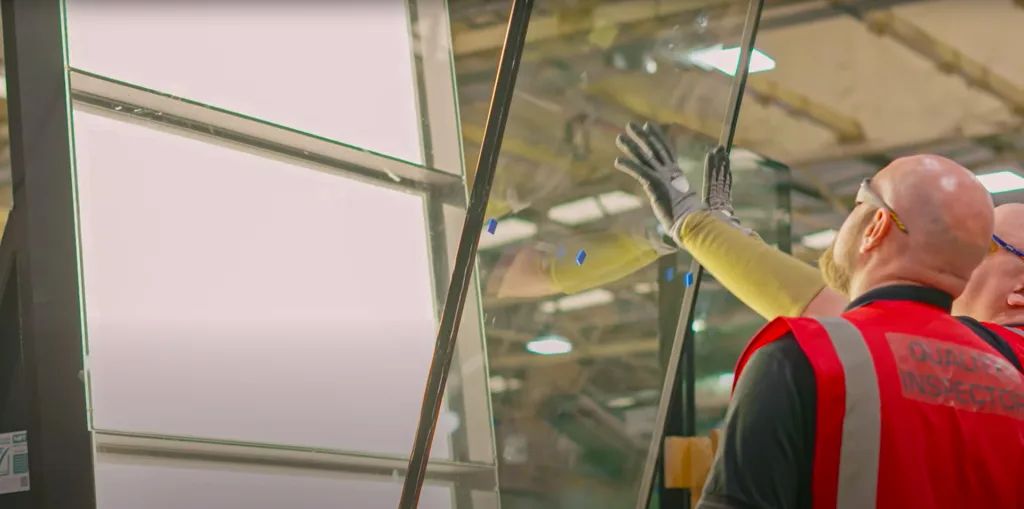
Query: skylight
pixel 1001 181
pixel 592 208
pixel 727 60
pixel 819 240
pixel 508 231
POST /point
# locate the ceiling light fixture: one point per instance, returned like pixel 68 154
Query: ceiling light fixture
pixel 622 402
pixel 549 344
pixel 592 208
pixel 726 379
pixel 727 60
pixel 499 384
pixel 508 231
pixel 1001 181
pixel 741 159
pixel 582 300
pixel 819 240
pixel 698 325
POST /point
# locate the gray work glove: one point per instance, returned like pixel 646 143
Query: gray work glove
pixel 650 160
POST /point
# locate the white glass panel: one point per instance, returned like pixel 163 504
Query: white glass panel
pixel 155 486
pixel 434 49
pixel 342 70
pixel 236 297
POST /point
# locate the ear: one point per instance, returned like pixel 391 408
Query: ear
pixel 1016 298
pixel 876 230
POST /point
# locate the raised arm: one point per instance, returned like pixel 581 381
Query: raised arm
pixel 770 282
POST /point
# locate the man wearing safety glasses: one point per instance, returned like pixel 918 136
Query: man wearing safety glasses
pixel 887 399
pixel 773 283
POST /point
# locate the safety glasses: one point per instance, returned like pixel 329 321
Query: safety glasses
pixel 869 196
pixel 1000 243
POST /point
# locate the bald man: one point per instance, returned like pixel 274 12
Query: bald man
pixel 993 298
pixel 996 290
pixel 810 394
pixel 773 283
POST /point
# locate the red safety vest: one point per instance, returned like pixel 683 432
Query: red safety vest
pixel 1012 335
pixel 914 410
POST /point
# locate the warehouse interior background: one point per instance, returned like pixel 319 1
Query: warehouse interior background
pixel 837 90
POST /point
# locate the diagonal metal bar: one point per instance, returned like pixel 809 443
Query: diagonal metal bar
pixel 455 300
pixel 690 297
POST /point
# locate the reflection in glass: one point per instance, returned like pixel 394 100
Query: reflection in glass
pixel 823 111
pixel 723 325
pixel 568 273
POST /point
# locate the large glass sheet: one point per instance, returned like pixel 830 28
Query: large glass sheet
pixel 722 325
pixel 340 70
pixel 236 297
pixel 569 306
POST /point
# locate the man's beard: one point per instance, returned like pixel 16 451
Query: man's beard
pixel 837 268
pixel 837 274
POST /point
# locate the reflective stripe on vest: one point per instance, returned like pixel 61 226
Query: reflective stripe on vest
pixel 1018 331
pixel 862 421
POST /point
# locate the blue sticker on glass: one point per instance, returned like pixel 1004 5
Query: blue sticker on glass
pixel 670 273
pixel 689 278
pixel 582 255
pixel 492 225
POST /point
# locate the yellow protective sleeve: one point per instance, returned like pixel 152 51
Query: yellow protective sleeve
pixel 770 282
pixel 496 209
pixel 610 256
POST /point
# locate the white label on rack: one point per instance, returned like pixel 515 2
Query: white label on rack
pixel 14 462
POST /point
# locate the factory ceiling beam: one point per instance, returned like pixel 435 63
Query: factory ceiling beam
pixel 534 153
pixel 622 92
pixel 884 152
pixel 847 128
pixel 600 16
pixel 625 97
pixel 517 147
pixel 949 59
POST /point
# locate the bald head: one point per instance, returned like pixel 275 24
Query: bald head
pixel 948 218
pixel 995 292
pixel 1009 223
pixel 948 212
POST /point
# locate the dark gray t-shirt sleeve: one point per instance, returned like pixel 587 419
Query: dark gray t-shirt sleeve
pixel 766 453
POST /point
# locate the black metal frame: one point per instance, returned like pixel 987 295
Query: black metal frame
pixel 784 201
pixel 46 268
pixel 465 257
pixel 13 412
pixel 681 419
